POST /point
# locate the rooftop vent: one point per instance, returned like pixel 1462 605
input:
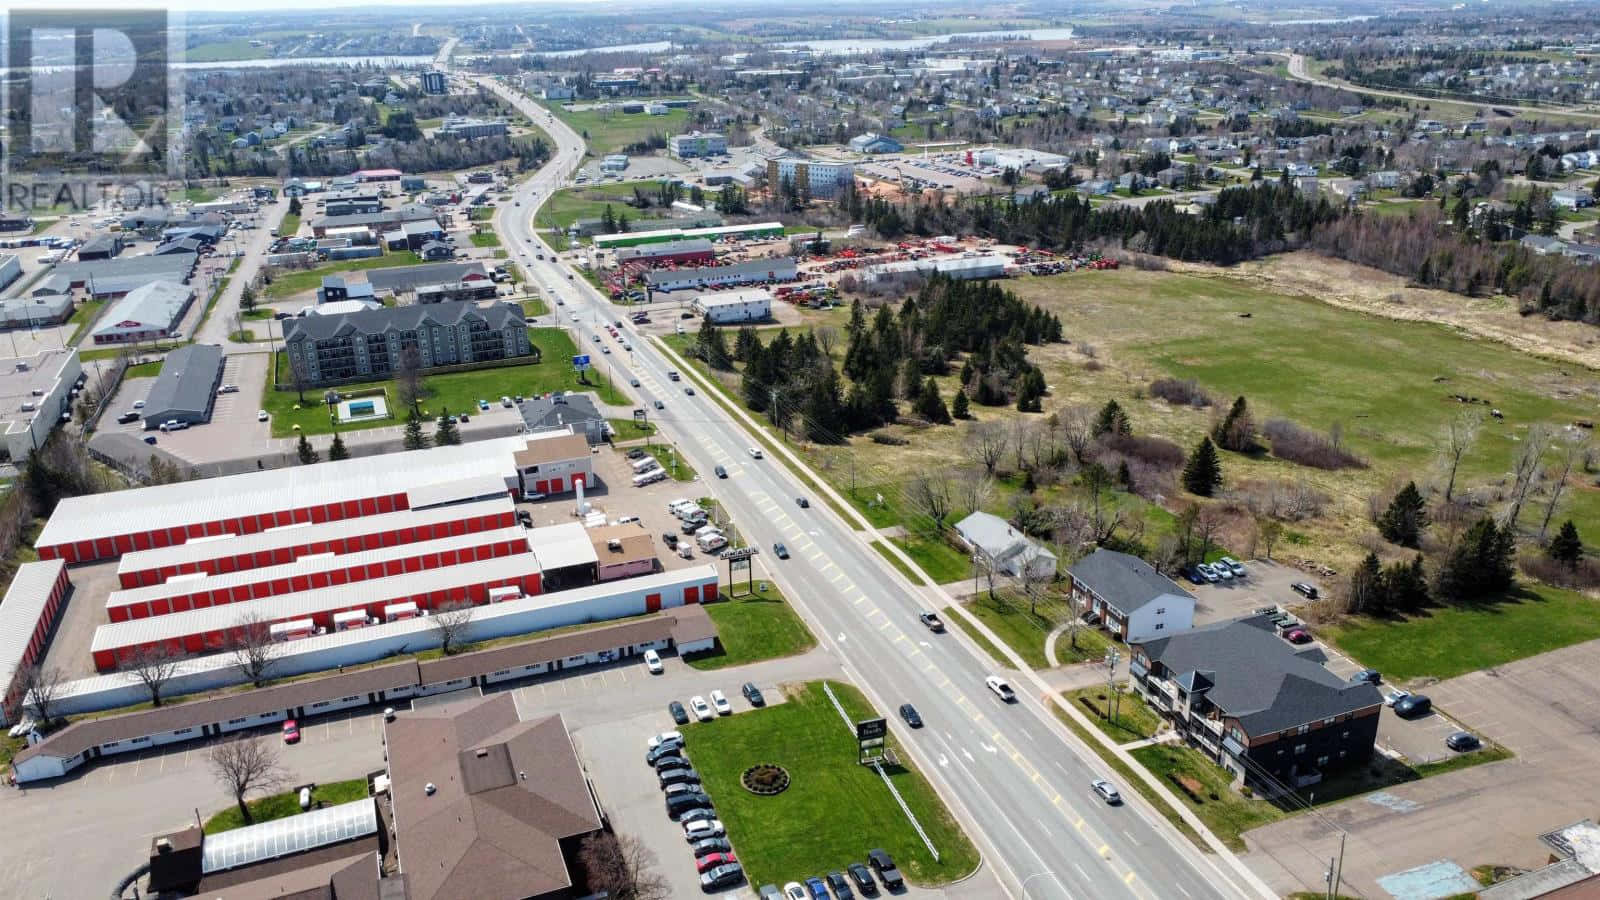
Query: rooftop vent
pixel 429 789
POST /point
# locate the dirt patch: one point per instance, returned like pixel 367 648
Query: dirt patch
pixel 1369 290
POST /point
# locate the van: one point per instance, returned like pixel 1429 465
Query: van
pixel 626 520
pixel 712 541
pixel 685 509
pixel 644 464
pixel 707 529
pixel 672 505
pixel 650 477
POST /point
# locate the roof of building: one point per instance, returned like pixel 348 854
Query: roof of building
pixel 487 829
pixel 563 546
pixel 402 318
pixel 781 267
pixel 633 543
pixel 1257 677
pixel 405 278
pixel 20 612
pixel 17 386
pixel 101 243
pixel 1123 581
pixel 555 447
pixel 545 412
pixel 670 248
pixel 997 539
pixel 733 298
pixel 156 304
pixel 187 383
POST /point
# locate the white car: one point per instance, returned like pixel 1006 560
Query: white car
pixel 1395 695
pixel 1000 688
pixel 702 710
pixel 652 661
pixel 720 701
pixel 663 737
pixel 702 829
pixel 755 452
pixel 1234 566
pixel 795 891
pixel 261 415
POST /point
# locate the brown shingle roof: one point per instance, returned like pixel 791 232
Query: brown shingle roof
pixel 546 650
pixel 552 449
pixel 636 543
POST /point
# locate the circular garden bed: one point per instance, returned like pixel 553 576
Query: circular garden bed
pixel 765 779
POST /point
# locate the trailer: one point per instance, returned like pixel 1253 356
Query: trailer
pixel 291 631
pixel 350 618
pixel 395 612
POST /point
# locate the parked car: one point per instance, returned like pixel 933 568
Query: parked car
pixel 780 551
pixel 682 775
pixel 909 713
pixel 1107 791
pixel 700 829
pixel 1304 590
pixel 652 661
pixel 291 731
pixel 753 694
pixel 794 890
pixel 1234 566
pixel 1000 688
pixel 711 861
pixel 883 864
pixel 1395 695
pixel 862 877
pixel 802 502
pixel 680 715
pixel 722 876
pixel 1367 676
pixel 1193 574
pixel 710 845
pixel 817 887
pixel 698 815
pixel 840 885
pixel 670 539
pixel 702 709
pixel 149 439
pixel 1414 706
pixel 769 892
pixel 261 416
pixel 1297 636
pixel 665 737
pixel 1208 573
pixel 719 702
pixel 933 622
pixel 1463 741
pixel 685 802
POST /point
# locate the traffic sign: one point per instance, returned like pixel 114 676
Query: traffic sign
pixel 580 362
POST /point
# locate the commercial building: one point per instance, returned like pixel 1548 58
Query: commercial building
pixel 691 250
pixel 1127 595
pixel 1022 160
pixel 434 82
pixel 622 551
pixel 377 223
pixel 147 313
pixel 614 162
pixel 754 271
pixel 1248 700
pixel 371 344
pixel 457 291
pixel 335 289
pixel 413 235
pixel 10 269
pixel 27 614
pixel 1005 549
pixel 751 305
pixel 872 143
pixel 106 279
pixel 471 129
pixel 35 311
pixel 752 231
pixel 957 267
pixel 564 411
pixel 400 279
pixel 101 246
pixel 35 393
pixel 186 389
pixel 816 180
pixel 554 463
pixel 697 145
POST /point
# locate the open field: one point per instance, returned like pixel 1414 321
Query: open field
pixel 752 628
pixel 299 281
pixel 608 131
pixel 590 201
pixel 778 838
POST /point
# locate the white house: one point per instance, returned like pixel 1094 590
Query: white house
pixel 1006 549
pixel 1135 602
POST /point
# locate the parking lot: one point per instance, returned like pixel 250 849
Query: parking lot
pixel 1266 583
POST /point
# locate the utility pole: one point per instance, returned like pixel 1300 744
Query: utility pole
pixel 1112 657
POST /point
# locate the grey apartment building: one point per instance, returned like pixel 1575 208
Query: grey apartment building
pixel 370 344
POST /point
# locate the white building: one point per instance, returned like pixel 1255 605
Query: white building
pixel 35 393
pixel 1007 550
pixel 1133 600
pixel 10 269
pixel 817 180
pixel 145 313
pixel 958 267
pixel 696 144
pixel 752 305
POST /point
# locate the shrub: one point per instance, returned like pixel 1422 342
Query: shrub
pixel 1158 453
pixel 1180 392
pixel 1308 448
pixel 1583 576
pixel 879 437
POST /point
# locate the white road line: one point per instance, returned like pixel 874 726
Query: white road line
pixel 1081 872
pixel 1130 837
pixel 1180 887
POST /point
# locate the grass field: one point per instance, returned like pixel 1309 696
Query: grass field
pixel 834 810
pixel 608 131
pixel 82 316
pixel 672 462
pixel 284 805
pixel 1025 632
pixel 485 239
pixel 571 204
pixel 1226 812
pixel 752 628
pixel 289 225
pixel 1135 719
pixel 299 281
pixel 221 51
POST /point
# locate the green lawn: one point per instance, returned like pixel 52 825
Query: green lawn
pixel 485 239
pixel 752 628
pixel 608 131
pixel 245 336
pixel 225 51
pixel 143 370
pixel 1025 631
pixel 673 463
pixel 81 318
pixel 1135 719
pixel 1226 812
pixel 289 225
pixel 628 429
pixel 571 204
pixel 534 306
pixel 894 560
pixel 834 810
pixel 457 391
pixel 298 281
pixel 114 352
pixel 1450 641
pixel 281 806
pixel 942 562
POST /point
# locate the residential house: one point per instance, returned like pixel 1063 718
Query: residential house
pixel 1004 549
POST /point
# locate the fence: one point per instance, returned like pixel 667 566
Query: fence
pixel 878 766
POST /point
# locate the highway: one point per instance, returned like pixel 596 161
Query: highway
pixel 1011 772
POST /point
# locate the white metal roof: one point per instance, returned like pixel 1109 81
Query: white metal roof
pixel 308 565
pixel 285 607
pixel 308 533
pixel 560 546
pixel 475 486
pixel 293 834
pixel 733 298
pixel 256 493
pixel 155 304
pixel 20 611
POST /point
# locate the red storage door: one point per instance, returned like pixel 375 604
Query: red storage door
pixel 555 486
pixel 691 594
pixel 369 506
pixel 339 576
pixel 709 593
pixel 652 602
pixel 577 479
pixel 181 604
pixel 300 583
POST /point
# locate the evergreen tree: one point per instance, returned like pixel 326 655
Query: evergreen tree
pixel 911 380
pixel 445 433
pixel 712 347
pixel 1113 421
pixel 743 341
pixel 1405 586
pixel 1202 474
pixel 414 438
pixel 1366 587
pixel 1124 476
pixel 337 449
pixel 1237 430
pixel 931 405
pixel 608 220
pixel 958 405
pixel 1030 392
pixel 1407 515
pixel 1480 565
pixel 308 454
pixel 824 409
pixel 1566 547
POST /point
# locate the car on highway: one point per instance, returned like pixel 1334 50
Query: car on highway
pixel 719 702
pixel 659 405
pixel 752 694
pixel 861 876
pixel 909 713
pixel 702 709
pixel 1413 707
pixel 291 731
pixel 688 390
pixel 755 452
pixel 721 472
pixel 1463 741
pixel 780 551
pixel 1107 791
pixel 1001 688
pixel 652 661
pixel 802 502
pixel 933 622
pixel 633 382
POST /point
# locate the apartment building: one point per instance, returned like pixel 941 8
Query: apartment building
pixel 371 343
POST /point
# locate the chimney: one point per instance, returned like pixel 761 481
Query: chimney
pixel 163 845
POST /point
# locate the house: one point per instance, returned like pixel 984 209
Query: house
pixel 873 143
pixel 560 411
pixel 1543 245
pixel 434 251
pixel 1005 549
pixel 1133 600
pixel 1572 199
pixel 1242 695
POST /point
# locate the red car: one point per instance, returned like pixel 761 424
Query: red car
pixel 291 732
pixel 712 860
pixel 1297 636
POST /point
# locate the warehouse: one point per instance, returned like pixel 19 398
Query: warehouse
pixel 186 389
pixel 400 279
pixel 213 628
pixel 750 305
pixel 145 313
pixel 278 546
pixel 106 279
pixel 688 250
pixel 28 612
pixel 36 311
pixel 959 268
pixel 106 525
pixel 697 145
pixel 10 269
pixel 35 392
pixel 755 271
pixel 101 246
pixel 313 571
pixel 377 222
pixel 566 557
pixel 554 462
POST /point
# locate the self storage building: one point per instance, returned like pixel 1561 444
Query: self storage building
pixel 28 612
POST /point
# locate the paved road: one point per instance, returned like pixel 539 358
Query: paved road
pixel 221 323
pixel 1008 770
pixel 1297 71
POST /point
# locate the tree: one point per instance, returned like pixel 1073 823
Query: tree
pixel 414 438
pixel 153 666
pixel 930 493
pixel 1407 515
pixel 252 649
pixel 621 867
pixel 308 454
pixel 1460 434
pixel 712 347
pixel 1566 547
pixel 1270 531
pixel 1571 454
pixel 244 765
pixel 1480 564
pixel 408 383
pixel 1237 430
pixel 445 433
pixel 337 449
pixel 450 623
pixel 41 687
pixel 931 406
pixel 1111 421
pixel 986 445
pixel 247 298
pixel 958 404
pixel 1202 474
pixel 1526 464
pixel 1366 586
pixel 297 376
pixel 1405 586
pixel 294 206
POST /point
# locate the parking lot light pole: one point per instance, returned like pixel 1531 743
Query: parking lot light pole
pixel 1112 656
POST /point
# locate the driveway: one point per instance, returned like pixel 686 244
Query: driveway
pixel 1544 709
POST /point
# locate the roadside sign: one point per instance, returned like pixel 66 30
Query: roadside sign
pixel 870 735
pixel 581 362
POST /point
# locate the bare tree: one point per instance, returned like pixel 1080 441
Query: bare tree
pixel 974 488
pixel 244 765
pixel 408 379
pixel 41 687
pixel 1456 441
pixel 622 867
pixel 1525 468
pixel 1076 424
pixel 1035 579
pixel 986 445
pixel 1269 530
pixel 827 338
pixel 930 492
pixel 450 623
pixel 1572 454
pixel 297 377
pixel 254 651
pixel 153 666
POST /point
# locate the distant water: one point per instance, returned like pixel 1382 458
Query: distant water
pixel 652 47
pixel 846 46
pixel 272 62
pixel 1367 18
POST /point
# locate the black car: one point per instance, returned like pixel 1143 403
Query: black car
pixel 150 439
pixel 883 864
pixel 1367 676
pixel 863 879
pixel 721 877
pixel 840 885
pixel 696 815
pixel 679 790
pixel 1463 741
pixel 753 694
pixel 670 539
pixel 667 748
pixel 679 714
pixel 721 472
pixel 636 453
pixel 780 551
pixel 1194 575
pixel 679 760
pixel 669 777
pixel 1414 706
pixel 1304 590
pixel 683 803
pixel 711 845
pixel 660 405
pixel 689 391
pixel 909 713
pixel 802 502
pixel 127 417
